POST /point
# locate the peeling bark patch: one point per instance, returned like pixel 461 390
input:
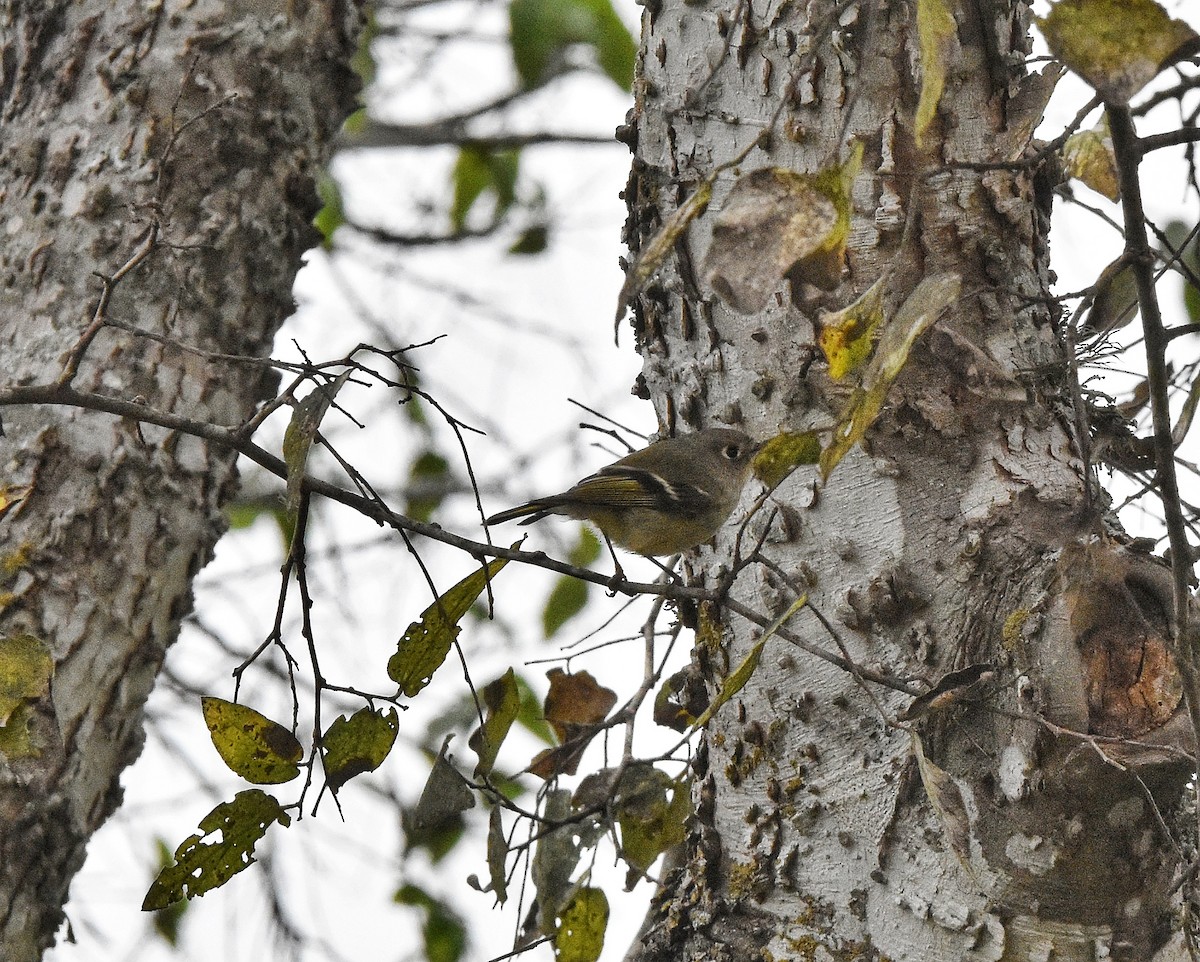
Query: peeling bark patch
pixel 1132 681
pixel 1130 676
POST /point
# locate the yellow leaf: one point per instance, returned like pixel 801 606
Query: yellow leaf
pixel 205 862
pixel 1117 46
pixel 358 744
pixel 847 336
pixel 924 306
pixel 502 698
pixel 12 495
pixel 936 30
pixel 26 667
pixel 580 935
pixel 427 642
pixel 1088 156
pixel 740 675
pixel 253 746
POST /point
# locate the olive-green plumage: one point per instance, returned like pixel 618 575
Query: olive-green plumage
pixel 661 500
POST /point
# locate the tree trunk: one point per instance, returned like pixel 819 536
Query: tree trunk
pixel 157 166
pixel 958 536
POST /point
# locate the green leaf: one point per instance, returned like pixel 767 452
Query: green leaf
pixel 568 597
pixel 1180 237
pixel 443 931
pixel 1117 46
pixel 242 514
pixel 652 810
pixel 259 750
pixel 734 683
pixel 497 853
pixel 427 642
pixel 358 744
pixel 654 252
pixel 438 841
pixel 541 31
pixel 737 679
pixel 586 550
pixel 580 936
pixel 532 240
pixel 356 124
pixel 478 171
pixel 785 452
pixel 431 472
pixel 26 667
pixel 924 306
pixel 363 60
pixel 936 30
pixel 201 866
pixel 502 699
pixel 301 430
pixel 332 214
pixel 531 717
pixel 168 920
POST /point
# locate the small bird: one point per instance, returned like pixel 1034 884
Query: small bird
pixel 663 499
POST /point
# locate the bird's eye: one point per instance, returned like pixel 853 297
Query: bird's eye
pixel 732 452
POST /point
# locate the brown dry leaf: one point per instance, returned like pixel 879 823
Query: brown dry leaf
pixel 778 224
pixel 574 707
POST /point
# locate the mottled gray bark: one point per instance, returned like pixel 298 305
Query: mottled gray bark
pixel 157 165
pixel 959 535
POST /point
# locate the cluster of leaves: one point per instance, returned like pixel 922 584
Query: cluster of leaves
pixel 547 38
pixel 648 806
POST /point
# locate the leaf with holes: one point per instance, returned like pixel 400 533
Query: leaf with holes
pixel 226 847
pixel 427 642
pixel 580 935
pixel 358 744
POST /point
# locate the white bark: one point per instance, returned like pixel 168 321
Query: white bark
pixel 210 120
pixel 959 537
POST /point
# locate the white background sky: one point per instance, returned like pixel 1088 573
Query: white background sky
pixel 522 335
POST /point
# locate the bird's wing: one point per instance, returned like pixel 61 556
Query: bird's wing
pixel 621 486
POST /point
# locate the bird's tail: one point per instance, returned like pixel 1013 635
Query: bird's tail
pixel 531 511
